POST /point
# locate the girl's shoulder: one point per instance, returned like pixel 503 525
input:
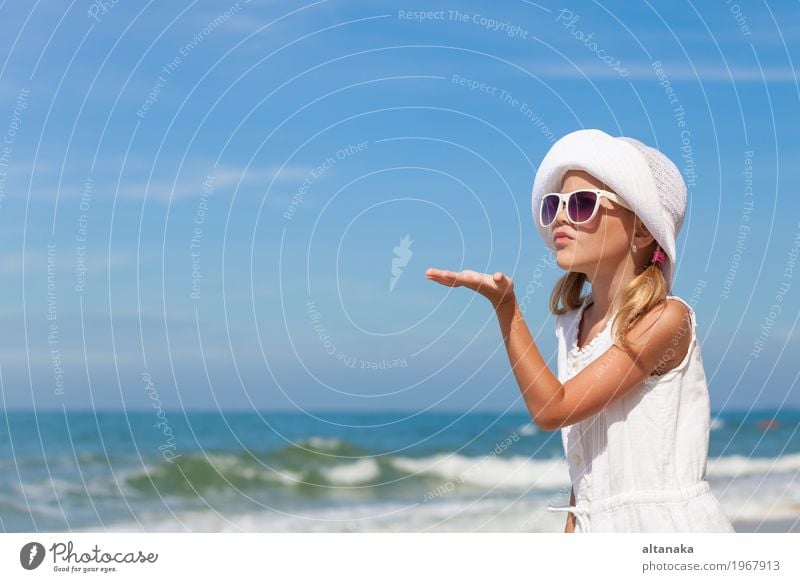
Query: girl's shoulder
pixel 684 334
pixel 673 318
pixel 682 307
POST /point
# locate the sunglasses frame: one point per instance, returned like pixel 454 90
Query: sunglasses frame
pixel 564 202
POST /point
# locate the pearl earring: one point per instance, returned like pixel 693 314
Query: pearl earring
pixel 633 248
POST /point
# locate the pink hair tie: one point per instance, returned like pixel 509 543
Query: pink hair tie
pixel 659 257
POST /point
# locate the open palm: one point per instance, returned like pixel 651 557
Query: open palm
pixel 497 288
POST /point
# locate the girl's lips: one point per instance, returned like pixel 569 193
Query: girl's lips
pixel 561 234
pixel 561 239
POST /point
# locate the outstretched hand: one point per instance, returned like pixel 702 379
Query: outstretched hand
pixel 497 288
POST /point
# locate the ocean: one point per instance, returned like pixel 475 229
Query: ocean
pixel 334 472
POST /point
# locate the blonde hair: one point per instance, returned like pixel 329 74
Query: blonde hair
pixel 645 292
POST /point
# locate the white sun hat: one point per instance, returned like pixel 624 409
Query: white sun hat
pixel 645 178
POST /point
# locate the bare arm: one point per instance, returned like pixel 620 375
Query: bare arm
pixel 540 388
pixel 657 337
pixel 613 374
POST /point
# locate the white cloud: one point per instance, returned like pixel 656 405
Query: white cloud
pixel 159 189
pixel 704 72
pixel 224 178
pixel 35 260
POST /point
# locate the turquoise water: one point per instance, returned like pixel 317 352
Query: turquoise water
pixel 338 472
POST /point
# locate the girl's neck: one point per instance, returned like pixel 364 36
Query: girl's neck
pixel 603 305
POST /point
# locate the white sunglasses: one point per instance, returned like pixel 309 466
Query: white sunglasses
pixel 581 205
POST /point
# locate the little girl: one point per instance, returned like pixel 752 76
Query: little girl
pixel 630 397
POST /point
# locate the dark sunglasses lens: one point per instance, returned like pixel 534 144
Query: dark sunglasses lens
pixel 581 205
pixel 549 208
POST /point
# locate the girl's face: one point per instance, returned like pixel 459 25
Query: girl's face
pixel 603 243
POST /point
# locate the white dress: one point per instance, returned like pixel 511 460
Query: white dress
pixel 639 465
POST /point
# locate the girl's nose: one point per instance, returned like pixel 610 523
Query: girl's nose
pixel 561 215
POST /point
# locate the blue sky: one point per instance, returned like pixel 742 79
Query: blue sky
pixel 223 187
